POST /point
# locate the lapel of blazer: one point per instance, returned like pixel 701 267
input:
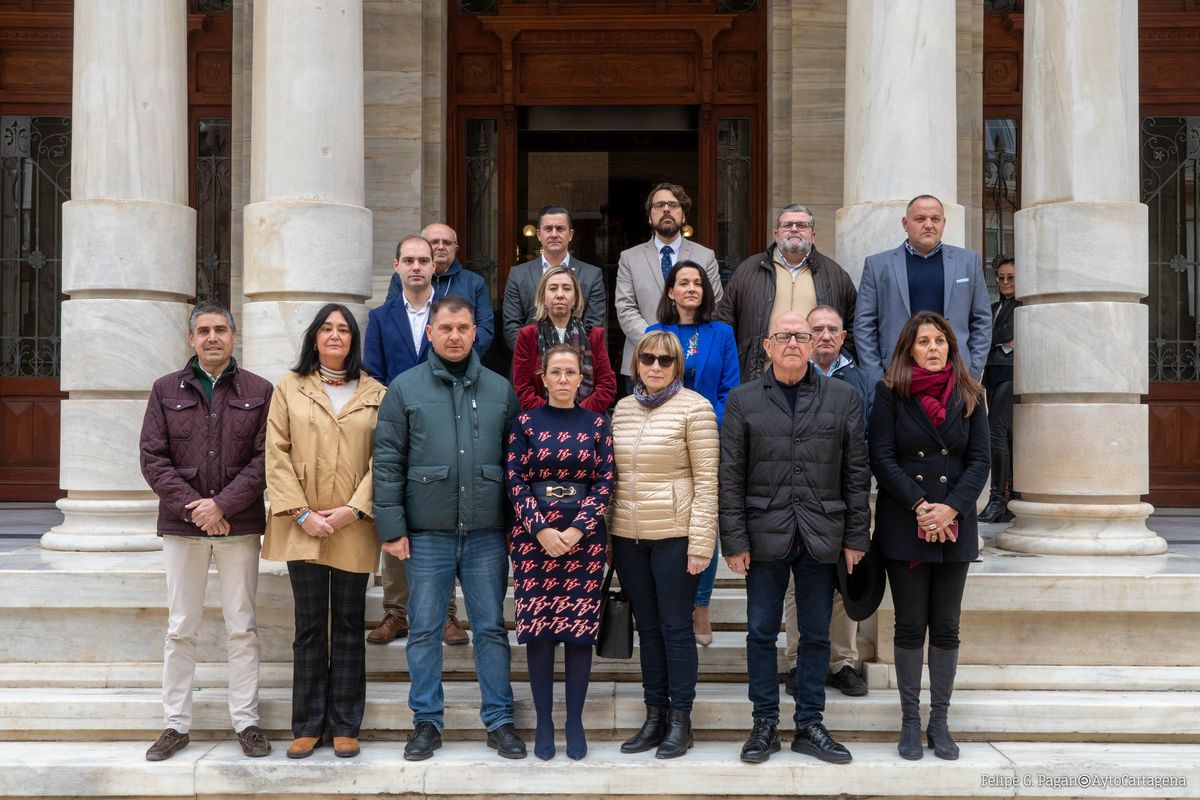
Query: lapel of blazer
pixel 398 315
pixel 650 248
pixel 900 274
pixel 913 407
pixel 949 276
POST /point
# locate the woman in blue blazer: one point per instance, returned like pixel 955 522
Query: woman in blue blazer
pixel 710 368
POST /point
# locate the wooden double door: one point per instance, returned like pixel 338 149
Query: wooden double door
pixel 589 104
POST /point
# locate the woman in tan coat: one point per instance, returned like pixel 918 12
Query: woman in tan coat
pixel 664 528
pixel 320 435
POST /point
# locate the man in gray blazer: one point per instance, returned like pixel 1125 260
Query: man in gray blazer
pixel 922 274
pixel 554 231
pixel 642 271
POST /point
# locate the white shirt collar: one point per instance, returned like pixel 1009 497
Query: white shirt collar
pixel 659 244
pixel 566 262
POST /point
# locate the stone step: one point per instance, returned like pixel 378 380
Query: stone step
pixel 458 663
pixel 613 709
pixel 724 659
pixel 711 768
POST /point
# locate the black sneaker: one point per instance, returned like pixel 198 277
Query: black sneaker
pixel 762 742
pixel 849 682
pixel 505 741
pixel 814 740
pixel 789 682
pixel 422 742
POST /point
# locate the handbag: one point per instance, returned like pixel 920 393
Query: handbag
pixel 615 637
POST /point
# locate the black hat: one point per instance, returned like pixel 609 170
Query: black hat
pixel 863 591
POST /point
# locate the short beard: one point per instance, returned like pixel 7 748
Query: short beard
pixel 663 223
pixel 802 247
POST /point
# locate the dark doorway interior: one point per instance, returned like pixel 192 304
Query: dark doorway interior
pixel 594 162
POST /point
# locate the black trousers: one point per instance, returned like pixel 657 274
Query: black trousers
pixel 1000 425
pixel 654 575
pixel 329 672
pixel 927 597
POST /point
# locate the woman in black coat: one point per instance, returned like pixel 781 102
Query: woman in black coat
pixel 929 450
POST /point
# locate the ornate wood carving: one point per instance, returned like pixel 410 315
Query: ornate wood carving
pixel 35 57
pixel 737 74
pixel 477 75
pixel 655 77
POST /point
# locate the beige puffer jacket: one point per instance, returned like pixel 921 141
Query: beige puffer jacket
pixel 667 471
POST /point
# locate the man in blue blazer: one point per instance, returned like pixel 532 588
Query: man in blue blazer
pixel 451 277
pixel 395 339
pixel 922 274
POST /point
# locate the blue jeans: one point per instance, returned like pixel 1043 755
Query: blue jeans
pixel 766 583
pixel 480 561
pixel 654 575
pixel 708 578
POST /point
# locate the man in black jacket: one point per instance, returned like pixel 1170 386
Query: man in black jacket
pixel 790 276
pixel 794 488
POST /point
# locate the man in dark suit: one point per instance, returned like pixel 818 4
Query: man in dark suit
pixel 922 274
pixel 643 269
pixel 554 231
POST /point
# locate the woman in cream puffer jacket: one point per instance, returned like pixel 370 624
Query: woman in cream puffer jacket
pixel 664 527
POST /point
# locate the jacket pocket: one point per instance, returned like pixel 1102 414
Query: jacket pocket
pixel 301 470
pixel 491 472
pixel 427 474
pixel 245 416
pixel 180 414
pixel 832 507
pixel 758 503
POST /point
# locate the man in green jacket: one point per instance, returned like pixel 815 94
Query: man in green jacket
pixel 439 508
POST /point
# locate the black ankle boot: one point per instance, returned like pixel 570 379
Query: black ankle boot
pixel 651 734
pixel 679 735
pixel 994 508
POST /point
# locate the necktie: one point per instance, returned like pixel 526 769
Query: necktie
pixel 666 260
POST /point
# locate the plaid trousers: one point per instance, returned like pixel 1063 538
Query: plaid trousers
pixel 329 684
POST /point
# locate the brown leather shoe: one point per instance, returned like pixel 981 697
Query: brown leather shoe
pixel 345 746
pixel 701 626
pixel 453 632
pixel 392 626
pixel 253 743
pixel 303 746
pixel 169 742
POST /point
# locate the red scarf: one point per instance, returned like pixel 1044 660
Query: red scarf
pixel 932 390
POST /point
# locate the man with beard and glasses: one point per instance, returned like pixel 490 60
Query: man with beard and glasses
pixel 790 276
pixel 643 269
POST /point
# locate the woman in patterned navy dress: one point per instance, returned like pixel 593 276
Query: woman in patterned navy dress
pixel 560 480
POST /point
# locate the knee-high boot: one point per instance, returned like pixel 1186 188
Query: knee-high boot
pixel 908 680
pixel 943 665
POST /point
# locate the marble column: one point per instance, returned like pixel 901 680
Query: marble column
pixel 1082 454
pixel 307 234
pixel 128 262
pixel 901 123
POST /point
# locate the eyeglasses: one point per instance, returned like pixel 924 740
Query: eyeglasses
pixel 1005 278
pixel 783 337
pixel 661 204
pixel 795 226
pixel 664 361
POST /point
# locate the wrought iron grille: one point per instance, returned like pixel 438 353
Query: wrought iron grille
pixel 212 203
pixel 1001 193
pixel 483 198
pixel 733 193
pixel 35 180
pixel 1171 191
pixel 736 6
pixel 211 6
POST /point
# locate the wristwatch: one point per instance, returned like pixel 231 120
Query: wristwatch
pixel 357 514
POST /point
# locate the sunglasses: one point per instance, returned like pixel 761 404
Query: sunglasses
pixel 664 361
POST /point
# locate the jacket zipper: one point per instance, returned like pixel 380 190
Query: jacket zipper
pixel 636 446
